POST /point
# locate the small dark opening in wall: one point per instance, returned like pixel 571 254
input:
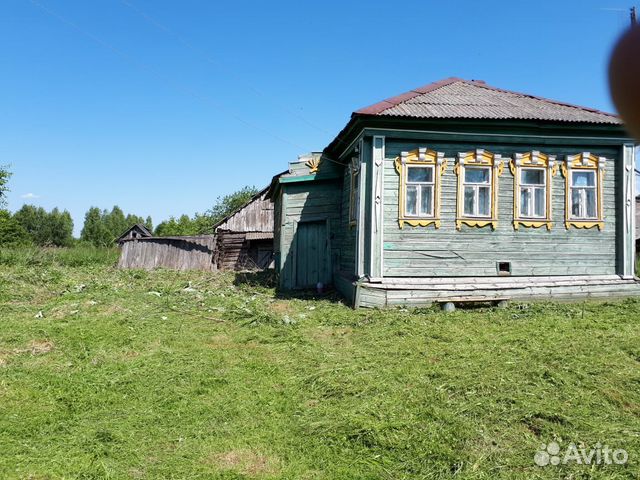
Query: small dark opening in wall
pixel 504 268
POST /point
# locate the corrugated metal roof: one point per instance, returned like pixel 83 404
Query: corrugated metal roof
pixel 474 99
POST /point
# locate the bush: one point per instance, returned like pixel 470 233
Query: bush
pixel 81 255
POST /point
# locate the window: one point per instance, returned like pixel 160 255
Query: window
pixel 420 174
pixel 354 199
pixel 478 173
pixel 420 185
pixel 584 175
pixel 477 192
pixel 532 174
pixel 532 193
pixel 583 195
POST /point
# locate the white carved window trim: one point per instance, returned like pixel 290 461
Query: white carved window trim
pixel 420 157
pixel 476 186
pixel 420 187
pixel 532 187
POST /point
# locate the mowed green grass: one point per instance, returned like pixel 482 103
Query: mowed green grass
pixel 132 375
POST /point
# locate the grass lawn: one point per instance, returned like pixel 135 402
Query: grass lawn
pixel 132 375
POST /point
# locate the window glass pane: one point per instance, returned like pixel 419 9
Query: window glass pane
pixel 525 195
pixel 412 200
pixel 468 201
pixel 427 200
pixel 476 175
pixel 575 202
pixel 484 201
pixel 591 202
pixel 532 177
pixel 420 174
pixel 584 179
pixel 539 201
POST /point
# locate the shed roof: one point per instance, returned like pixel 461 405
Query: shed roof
pixel 474 99
pixel 143 229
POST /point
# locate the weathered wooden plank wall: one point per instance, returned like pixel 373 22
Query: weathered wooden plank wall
pixel 256 216
pixel 426 251
pixel 178 253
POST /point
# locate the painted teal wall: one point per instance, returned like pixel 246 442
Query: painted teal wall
pixel 473 251
pixel 307 201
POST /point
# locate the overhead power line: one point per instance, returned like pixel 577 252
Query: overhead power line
pixel 209 59
pixel 175 85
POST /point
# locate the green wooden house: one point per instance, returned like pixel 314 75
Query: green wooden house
pixel 459 191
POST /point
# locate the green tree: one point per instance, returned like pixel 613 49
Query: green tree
pixel 11 232
pixel 5 174
pixel 94 229
pixel 115 222
pixel 35 221
pixel 59 228
pixel 149 223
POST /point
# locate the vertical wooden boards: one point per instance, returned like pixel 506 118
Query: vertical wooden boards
pixel 312 254
pixel 376 207
pixel 178 253
pixel 307 203
pixel 627 218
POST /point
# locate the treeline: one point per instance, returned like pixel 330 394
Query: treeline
pixel 33 225
pixel 102 228
pixel 202 223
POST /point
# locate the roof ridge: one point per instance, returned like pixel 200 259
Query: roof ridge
pixel 381 106
pixel 483 84
pixel 378 108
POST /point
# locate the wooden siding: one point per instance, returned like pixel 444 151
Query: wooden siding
pixel 186 253
pixel 256 216
pixel 346 234
pixel 423 292
pixel 307 201
pixel 426 251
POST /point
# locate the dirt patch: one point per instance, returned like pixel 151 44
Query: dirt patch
pixel 282 307
pixel 333 336
pixel 39 347
pixel 246 462
pixel 219 341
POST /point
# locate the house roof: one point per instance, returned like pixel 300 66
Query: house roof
pixel 474 99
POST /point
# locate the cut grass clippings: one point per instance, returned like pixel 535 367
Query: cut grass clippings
pixel 133 374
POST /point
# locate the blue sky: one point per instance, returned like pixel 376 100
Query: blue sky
pixel 161 106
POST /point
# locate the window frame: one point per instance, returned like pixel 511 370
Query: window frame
pixel 533 187
pixel 420 186
pixel 420 157
pixel 533 160
pixel 495 164
pixel 584 162
pixel 583 206
pixel 476 192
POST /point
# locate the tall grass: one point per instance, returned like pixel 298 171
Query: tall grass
pixel 78 256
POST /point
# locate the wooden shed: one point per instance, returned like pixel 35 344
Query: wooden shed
pixel 135 231
pixel 245 237
pixel 460 191
pixel 177 253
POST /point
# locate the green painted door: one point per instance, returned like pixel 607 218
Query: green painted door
pixel 312 254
